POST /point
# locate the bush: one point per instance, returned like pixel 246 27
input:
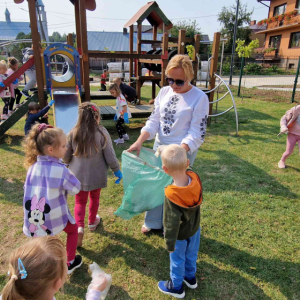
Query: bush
pixel 253 69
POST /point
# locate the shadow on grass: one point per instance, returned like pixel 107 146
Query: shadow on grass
pixel 154 262
pixel 12 190
pixel 221 175
pixel 9 141
pixel 283 274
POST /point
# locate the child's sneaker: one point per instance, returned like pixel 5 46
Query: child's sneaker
pixel 93 227
pixel 4 117
pixel 80 236
pixel 119 141
pixel 167 287
pixel 10 112
pixel 191 283
pixel 25 93
pixel 75 264
pixel 145 229
pixel 126 137
pixel 281 165
pixel 17 105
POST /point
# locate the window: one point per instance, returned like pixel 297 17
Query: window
pixel 275 41
pixel 298 5
pixel 295 40
pixel 279 10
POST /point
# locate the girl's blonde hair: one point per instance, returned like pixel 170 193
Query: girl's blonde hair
pixel 45 261
pixel 3 64
pixel 85 130
pixel 12 62
pixel 184 62
pixel 115 87
pixel 38 137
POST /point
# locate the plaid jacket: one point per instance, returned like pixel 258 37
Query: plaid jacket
pixel 47 185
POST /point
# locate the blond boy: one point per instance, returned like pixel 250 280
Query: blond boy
pixel 181 221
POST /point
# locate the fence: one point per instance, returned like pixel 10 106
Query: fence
pixel 272 78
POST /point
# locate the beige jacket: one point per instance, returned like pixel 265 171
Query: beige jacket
pixel 92 171
pixel 288 119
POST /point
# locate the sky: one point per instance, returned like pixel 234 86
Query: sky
pixel 112 15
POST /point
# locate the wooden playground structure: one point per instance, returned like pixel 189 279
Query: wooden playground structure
pixel 159 59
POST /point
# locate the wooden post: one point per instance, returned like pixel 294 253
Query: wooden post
pixel 85 54
pixel 213 67
pixel 130 51
pixel 164 64
pixel 37 52
pixel 154 35
pixel 70 39
pixel 139 65
pixel 195 58
pixel 78 36
pixel 181 41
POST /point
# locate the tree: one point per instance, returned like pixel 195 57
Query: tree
pixel 57 37
pixel 227 19
pixel 16 50
pixel 191 28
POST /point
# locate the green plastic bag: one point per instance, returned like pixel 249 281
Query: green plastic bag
pixel 143 182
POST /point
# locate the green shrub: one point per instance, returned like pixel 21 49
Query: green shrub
pixel 253 69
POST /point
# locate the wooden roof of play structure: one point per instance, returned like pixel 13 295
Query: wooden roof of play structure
pixel 153 14
pixel 90 4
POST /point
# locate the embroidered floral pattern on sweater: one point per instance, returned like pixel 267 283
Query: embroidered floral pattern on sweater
pixel 203 126
pixel 169 117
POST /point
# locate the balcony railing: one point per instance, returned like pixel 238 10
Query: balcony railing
pixel 289 18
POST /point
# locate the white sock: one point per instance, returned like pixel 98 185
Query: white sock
pixel 71 261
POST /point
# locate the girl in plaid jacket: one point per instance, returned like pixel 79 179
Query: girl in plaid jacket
pixel 48 182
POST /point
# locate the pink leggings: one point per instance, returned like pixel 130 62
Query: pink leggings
pixel 80 204
pixel 291 141
pixel 72 236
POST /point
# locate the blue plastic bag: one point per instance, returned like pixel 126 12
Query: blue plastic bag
pixel 143 182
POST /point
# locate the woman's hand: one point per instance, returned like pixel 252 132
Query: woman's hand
pixel 135 147
pixel 185 147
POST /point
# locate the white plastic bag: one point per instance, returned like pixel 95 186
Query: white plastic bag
pixel 95 289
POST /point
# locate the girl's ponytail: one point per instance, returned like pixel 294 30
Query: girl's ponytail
pixel 40 136
pixel 10 292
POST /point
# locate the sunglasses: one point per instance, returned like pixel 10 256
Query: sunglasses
pixel 178 82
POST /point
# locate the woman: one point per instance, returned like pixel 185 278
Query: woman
pixel 179 117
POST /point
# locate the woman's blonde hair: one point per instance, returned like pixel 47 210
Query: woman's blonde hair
pixel 45 261
pixel 12 62
pixel 85 130
pixel 38 137
pixel 115 87
pixel 184 62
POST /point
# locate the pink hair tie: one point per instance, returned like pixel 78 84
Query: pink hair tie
pixel 43 127
pixel 94 108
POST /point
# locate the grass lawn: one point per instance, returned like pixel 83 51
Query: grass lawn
pixel 250 215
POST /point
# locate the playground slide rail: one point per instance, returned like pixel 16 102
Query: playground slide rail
pixel 17 74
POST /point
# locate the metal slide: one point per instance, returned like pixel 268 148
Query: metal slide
pixel 66 109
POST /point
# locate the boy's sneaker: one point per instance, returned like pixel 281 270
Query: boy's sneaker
pixel 4 117
pixel 76 264
pixel 191 283
pixel 126 137
pixel 93 226
pixel 167 287
pixel 80 236
pixel 25 93
pixel 119 141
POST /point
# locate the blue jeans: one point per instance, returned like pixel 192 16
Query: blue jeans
pixel 183 261
pixel 154 217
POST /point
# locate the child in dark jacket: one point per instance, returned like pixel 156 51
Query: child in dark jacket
pixel 36 114
pixel 181 221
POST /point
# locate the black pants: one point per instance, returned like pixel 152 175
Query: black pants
pixel 103 87
pixel 120 128
pixel 6 105
pixel 18 97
